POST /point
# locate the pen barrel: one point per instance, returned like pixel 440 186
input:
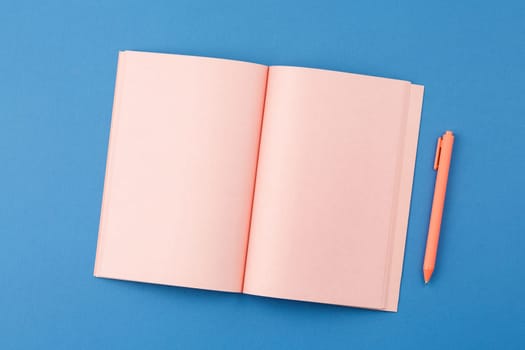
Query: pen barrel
pixel 438 202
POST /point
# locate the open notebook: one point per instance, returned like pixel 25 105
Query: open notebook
pixel 277 181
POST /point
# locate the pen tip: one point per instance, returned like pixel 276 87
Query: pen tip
pixel 427 274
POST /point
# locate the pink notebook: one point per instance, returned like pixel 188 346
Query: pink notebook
pixel 277 181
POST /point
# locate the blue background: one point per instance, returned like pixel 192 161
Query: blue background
pixel 57 72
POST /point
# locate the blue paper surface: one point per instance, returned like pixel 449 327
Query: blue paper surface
pixel 57 72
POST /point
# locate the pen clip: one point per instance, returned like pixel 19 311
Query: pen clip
pixel 438 153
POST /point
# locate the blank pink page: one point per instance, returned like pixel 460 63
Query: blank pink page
pixel 333 187
pixel 180 170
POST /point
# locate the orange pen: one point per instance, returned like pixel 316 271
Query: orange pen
pixel 442 165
